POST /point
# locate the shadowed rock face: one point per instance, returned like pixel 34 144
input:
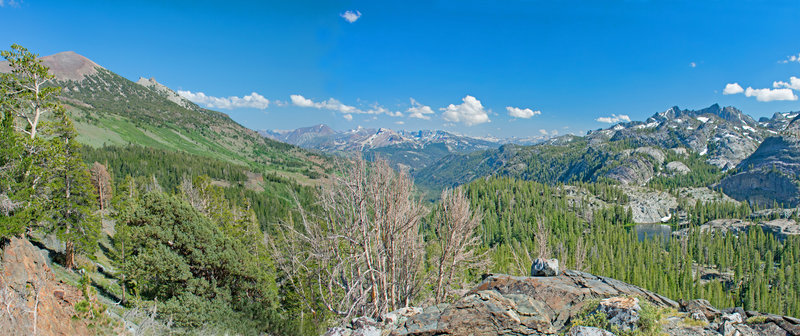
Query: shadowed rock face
pixel 768 175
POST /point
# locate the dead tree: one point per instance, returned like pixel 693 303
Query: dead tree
pixel 580 254
pixel 522 257
pixel 455 226
pixel 101 180
pixel 364 256
pixel 542 239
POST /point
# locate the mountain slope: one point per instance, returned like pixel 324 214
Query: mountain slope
pixel 111 110
pixel 772 173
pixel 688 147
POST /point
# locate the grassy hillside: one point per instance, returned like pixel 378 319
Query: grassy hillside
pixel 111 110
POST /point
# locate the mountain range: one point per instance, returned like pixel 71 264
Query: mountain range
pixel 109 109
pixel 716 147
pixel 413 150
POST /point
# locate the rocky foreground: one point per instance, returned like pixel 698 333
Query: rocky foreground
pixel 511 305
pixel 33 302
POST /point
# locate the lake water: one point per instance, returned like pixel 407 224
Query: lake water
pixel 653 231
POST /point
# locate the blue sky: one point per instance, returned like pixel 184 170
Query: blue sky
pixel 558 66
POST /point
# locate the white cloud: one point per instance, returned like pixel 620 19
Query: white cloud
pixel 348 117
pixel 693 64
pixel 613 119
pixel 253 100
pixel 792 58
pixel 732 88
pixel 794 84
pixel 330 104
pixel 335 105
pixel 543 131
pixel 470 112
pixel 377 109
pixel 767 95
pixel 418 110
pixel 10 3
pixel 400 122
pixel 517 112
pixel 351 16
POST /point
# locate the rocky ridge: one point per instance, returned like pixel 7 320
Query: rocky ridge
pixel 512 305
pixel 725 135
pixel 166 92
pixel 631 153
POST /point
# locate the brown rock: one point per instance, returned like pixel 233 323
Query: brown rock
pixel 27 285
pixel 509 305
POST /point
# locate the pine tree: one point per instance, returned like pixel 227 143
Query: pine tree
pixel 73 201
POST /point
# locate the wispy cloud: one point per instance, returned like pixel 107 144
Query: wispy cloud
pixel 418 110
pixel 693 64
pixel 253 100
pixel 10 3
pixel 330 104
pixel 348 117
pixel 351 16
pixel 613 119
pixel 767 95
pixel 335 105
pixel 517 112
pixel 792 58
pixel 732 88
pixel 470 112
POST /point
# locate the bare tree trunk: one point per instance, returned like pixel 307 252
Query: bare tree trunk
pixel 69 259
pixel 124 289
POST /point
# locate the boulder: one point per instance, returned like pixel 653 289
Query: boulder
pixel 698 315
pixel 588 331
pixel 622 312
pixel 399 316
pixel 727 329
pixel 702 306
pixel 738 310
pixel 732 318
pixel 544 267
pixel 678 168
